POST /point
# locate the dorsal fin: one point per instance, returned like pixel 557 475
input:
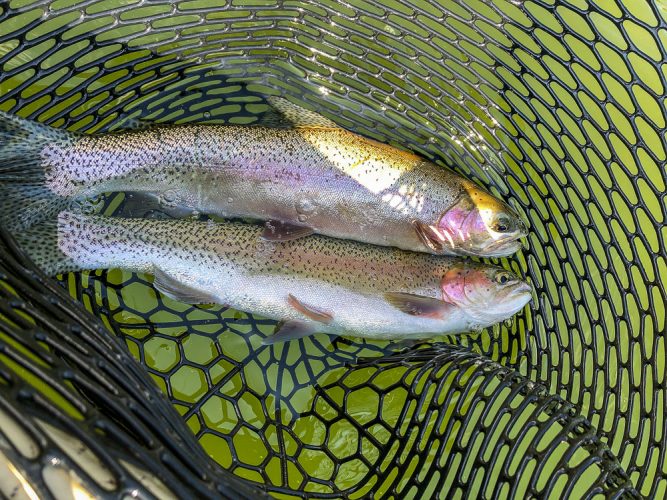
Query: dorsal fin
pixel 295 116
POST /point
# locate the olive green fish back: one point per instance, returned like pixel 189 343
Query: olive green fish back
pixel 556 107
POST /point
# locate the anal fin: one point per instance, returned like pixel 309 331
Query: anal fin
pixel 174 289
pixel 284 231
pixel 289 330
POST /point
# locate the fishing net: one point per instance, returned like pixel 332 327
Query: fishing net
pixel 557 107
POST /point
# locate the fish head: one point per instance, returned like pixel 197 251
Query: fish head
pixel 477 224
pixel 486 294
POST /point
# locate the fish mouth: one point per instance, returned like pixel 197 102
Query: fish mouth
pixel 498 248
pixel 503 247
pixel 523 288
pixel 522 293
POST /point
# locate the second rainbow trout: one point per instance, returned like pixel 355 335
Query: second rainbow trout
pixel 313 284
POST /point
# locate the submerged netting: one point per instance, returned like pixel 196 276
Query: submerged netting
pixel 554 106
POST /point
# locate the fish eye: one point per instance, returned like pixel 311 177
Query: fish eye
pixel 502 224
pixel 502 278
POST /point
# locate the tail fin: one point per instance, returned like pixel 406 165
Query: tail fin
pixel 25 199
pixel 41 242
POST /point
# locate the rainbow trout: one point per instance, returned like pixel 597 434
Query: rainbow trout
pixel 312 177
pixel 311 284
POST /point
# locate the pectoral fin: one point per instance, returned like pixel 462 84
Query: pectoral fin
pixel 428 236
pixel 419 305
pixel 310 312
pixel 284 231
pixel 289 330
pixel 174 289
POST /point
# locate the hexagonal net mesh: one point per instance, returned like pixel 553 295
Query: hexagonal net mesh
pixel 78 416
pixel 555 106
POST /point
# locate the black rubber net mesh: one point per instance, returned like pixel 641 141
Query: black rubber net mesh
pixel 556 106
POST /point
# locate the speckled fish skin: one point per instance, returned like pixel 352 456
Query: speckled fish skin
pixel 338 183
pixel 228 263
